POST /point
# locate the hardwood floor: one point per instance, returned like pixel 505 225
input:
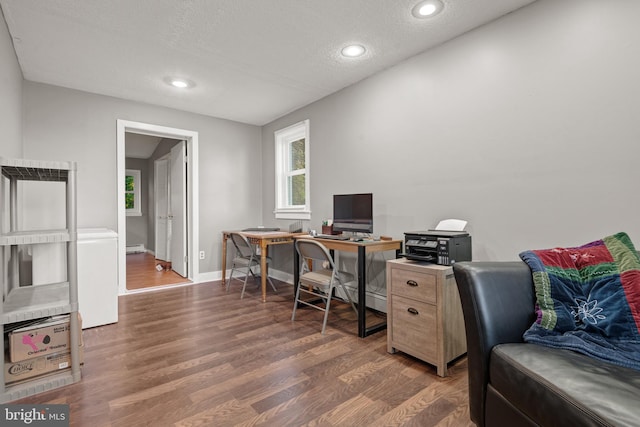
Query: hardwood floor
pixel 198 356
pixel 142 273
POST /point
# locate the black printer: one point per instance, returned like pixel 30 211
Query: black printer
pixel 440 247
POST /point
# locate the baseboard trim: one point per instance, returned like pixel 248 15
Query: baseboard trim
pixel 212 276
pixel 375 301
pixel 136 249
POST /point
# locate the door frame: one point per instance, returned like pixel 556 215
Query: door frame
pixel 191 137
pixel 178 209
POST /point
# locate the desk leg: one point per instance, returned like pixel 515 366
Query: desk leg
pixel 224 258
pixel 362 292
pixel 296 270
pixel 363 331
pixel 263 269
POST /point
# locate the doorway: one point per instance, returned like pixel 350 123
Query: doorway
pixel 190 229
pixel 156 211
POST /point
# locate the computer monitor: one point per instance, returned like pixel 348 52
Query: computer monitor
pixel 353 212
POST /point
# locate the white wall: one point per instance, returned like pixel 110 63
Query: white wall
pixel 72 125
pixel 11 97
pixel 527 127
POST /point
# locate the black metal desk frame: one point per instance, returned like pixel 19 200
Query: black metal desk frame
pixel 361 249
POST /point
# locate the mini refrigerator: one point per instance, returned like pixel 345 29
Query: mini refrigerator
pixel 97 276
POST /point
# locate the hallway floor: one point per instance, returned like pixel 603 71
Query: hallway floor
pixel 142 273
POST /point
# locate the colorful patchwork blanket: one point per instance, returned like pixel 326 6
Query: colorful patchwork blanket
pixel 588 299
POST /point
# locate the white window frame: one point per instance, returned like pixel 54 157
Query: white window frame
pixel 137 201
pixel 283 139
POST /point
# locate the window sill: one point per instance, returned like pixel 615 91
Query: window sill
pixel 292 215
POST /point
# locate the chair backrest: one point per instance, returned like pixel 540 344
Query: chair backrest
pixel 244 248
pixel 314 250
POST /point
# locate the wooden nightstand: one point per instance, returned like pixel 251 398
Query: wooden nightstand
pixel 424 315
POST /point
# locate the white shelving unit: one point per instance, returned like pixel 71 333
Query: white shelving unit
pixel 37 301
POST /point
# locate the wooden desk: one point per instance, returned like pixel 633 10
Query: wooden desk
pixel 263 240
pixel 362 249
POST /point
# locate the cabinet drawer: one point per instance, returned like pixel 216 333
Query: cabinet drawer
pixel 414 327
pixel 413 284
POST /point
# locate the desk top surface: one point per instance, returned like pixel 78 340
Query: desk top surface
pixel 355 242
pixel 327 242
pixel 263 234
pixel 353 245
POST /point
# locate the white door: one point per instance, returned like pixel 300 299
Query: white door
pixel 161 191
pixel 178 209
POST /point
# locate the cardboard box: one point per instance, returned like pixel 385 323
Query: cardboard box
pixel 47 337
pixel 26 369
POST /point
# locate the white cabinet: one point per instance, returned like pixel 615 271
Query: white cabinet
pixel 98 276
pixel 41 300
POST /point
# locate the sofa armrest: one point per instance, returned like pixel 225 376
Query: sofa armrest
pixel 498 300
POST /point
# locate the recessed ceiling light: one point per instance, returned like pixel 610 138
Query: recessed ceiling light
pixel 353 51
pixel 178 82
pixel 426 9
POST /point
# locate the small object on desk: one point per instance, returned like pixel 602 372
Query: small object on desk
pixel 262 229
pixel 331 236
pixel 385 238
pixel 327 229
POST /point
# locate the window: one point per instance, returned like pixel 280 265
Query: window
pixel 132 185
pixel 292 172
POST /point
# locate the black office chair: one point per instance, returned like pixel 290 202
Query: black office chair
pixel 319 283
pixel 246 258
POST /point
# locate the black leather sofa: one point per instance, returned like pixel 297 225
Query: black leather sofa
pixel 512 383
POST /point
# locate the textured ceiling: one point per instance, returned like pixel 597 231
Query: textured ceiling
pixel 252 61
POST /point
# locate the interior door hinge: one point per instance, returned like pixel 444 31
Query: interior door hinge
pixel 186 258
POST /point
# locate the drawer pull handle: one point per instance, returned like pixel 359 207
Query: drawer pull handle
pixel 412 283
pixel 413 311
